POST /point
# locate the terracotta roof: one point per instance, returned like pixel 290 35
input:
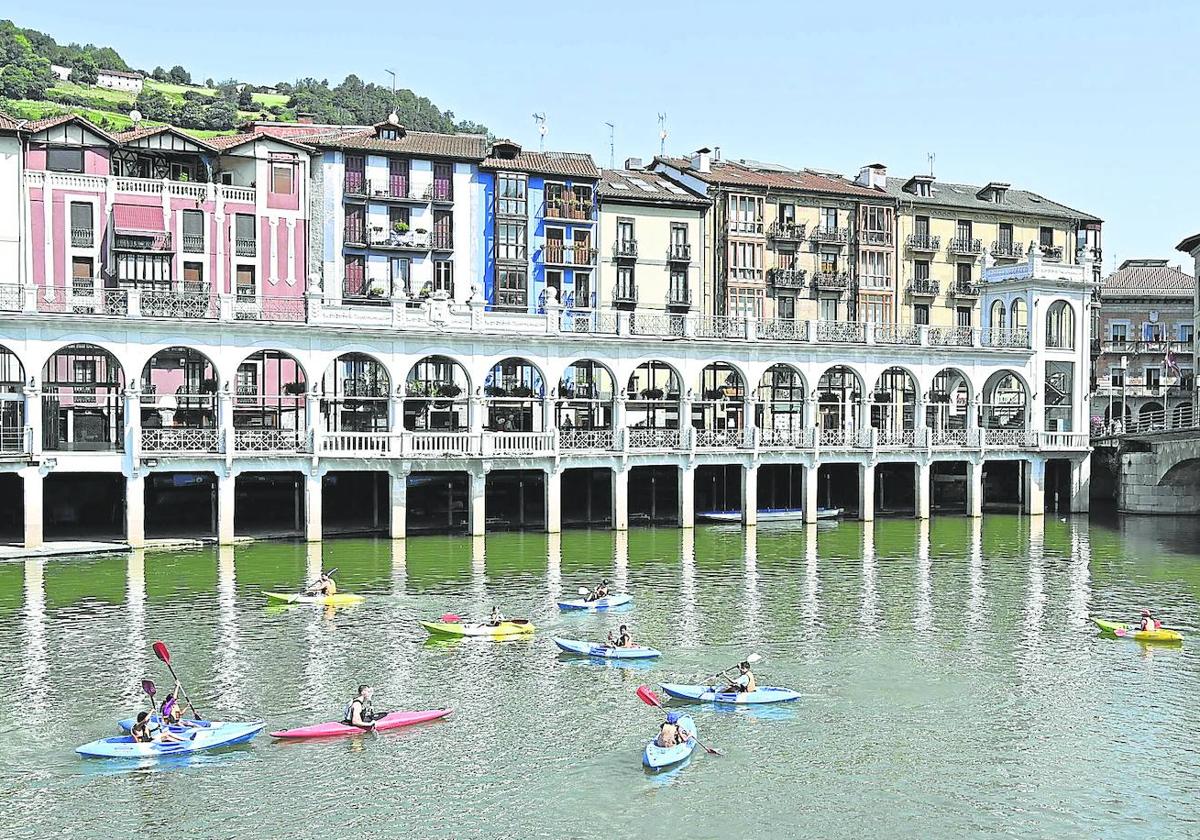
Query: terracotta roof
pixel 152 130
pixel 418 143
pixel 1151 276
pixel 35 126
pixel 966 196
pixel 637 186
pixel 565 164
pixel 734 174
pixel 1189 244
pixel 122 73
pixel 8 123
pixel 294 129
pixel 232 141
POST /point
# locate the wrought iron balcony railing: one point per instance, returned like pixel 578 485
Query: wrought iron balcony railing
pixel 965 246
pixel 924 242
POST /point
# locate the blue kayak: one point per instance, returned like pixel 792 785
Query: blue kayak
pixel 708 694
pixel 184 725
pixel 195 740
pixel 604 651
pixel 606 603
pixel 656 758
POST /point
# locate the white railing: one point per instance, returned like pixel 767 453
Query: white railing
pixel 589 321
pixel 12 297
pixel 641 438
pixel 518 443
pixel 908 334
pixel 839 332
pixel 440 443
pixel 171 440
pixel 267 440
pixel 719 438
pixel 16 441
pixel 896 438
pixel 720 326
pixel 1181 418
pixel 786 438
pixel 244 195
pixel 950 336
pixel 598 439
pixel 781 329
pixel 139 186
pixel 833 437
pixel 1009 438
pixel 174 304
pixel 1064 440
pixel 359 443
pixel 954 438
pixel 656 323
pixel 1015 337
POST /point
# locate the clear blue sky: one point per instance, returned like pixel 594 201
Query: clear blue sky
pixel 1090 104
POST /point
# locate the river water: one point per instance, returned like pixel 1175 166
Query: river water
pixel 952 685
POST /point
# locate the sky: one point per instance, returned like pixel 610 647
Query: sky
pixel 1090 104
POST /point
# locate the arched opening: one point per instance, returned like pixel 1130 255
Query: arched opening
pixel 946 408
pixel 779 406
pixel 12 403
pixel 179 402
pixel 1117 411
pixel 1003 413
pixel 437 396
pixel 515 392
pixel 894 407
pixel 999 315
pixel 583 411
pixel 1060 326
pixel 270 413
pixel 1018 314
pixel 839 398
pixel 652 408
pixel 718 414
pixel 83 400
pixel 355 390
pixel 1152 416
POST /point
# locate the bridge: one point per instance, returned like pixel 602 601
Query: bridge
pixel 1156 461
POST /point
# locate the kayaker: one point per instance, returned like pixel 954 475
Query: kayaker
pixel 599 592
pixel 669 733
pixel 324 586
pixel 359 712
pixel 622 639
pixel 143 734
pixel 1149 622
pixel 744 681
pixel 497 617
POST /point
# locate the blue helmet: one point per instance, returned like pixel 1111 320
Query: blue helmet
pixel 672 717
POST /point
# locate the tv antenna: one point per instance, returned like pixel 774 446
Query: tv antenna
pixel 932 157
pixel 540 119
pixel 662 133
pixel 612 154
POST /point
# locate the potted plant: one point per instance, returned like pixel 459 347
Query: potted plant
pixel 940 397
pixel 295 388
pixel 377 288
pixel 882 395
pixel 523 391
pixel 714 395
pixel 495 391
pixel 652 394
pixel 208 386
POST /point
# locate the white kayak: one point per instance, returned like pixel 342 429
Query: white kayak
pixel 608 602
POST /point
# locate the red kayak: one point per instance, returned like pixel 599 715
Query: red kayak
pixel 392 720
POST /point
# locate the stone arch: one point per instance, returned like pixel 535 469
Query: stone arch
pixel 12 401
pixel 1151 415
pixel 83 385
pixel 179 388
pixel 585 396
pixel 437 395
pixel 355 394
pixel 839 394
pixel 653 394
pixel 515 392
pixel 1005 401
pixel 779 399
pixel 719 397
pixel 1060 325
pixel 894 400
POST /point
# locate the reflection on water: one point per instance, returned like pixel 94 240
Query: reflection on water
pixel 950 649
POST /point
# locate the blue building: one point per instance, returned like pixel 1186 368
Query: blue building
pixel 539 222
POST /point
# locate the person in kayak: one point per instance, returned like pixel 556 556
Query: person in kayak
pixel 622 639
pixel 669 733
pixel 323 587
pixel 1149 622
pixel 359 712
pixel 497 617
pixel 599 592
pixel 143 734
pixel 743 682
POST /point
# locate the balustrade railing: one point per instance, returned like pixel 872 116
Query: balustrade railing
pixel 950 336
pixel 643 438
pixel 1009 438
pixel 719 438
pixel 172 440
pixel 833 437
pixel 359 443
pixel 517 443
pixel 589 321
pixel 793 438
pixel 906 334
pixel 1017 337
pixel 181 304
pixel 953 438
pixel 591 439
pixel 896 438
pixel 441 443
pixel 268 440
pixel 783 329
pixel 720 326
pixel 842 331
pixel 656 323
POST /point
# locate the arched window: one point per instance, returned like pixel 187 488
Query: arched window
pixel 1004 403
pixel 652 395
pixel 83 400
pixel 894 401
pixel 586 393
pixel 1060 326
pixel 354 394
pixel 437 396
pixel 179 401
pixel 1018 314
pixel 998 315
pixel 514 391
pixel 12 402
pixel 779 405
pixel 270 412
pixel 839 395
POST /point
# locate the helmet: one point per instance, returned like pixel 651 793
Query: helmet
pixel 672 717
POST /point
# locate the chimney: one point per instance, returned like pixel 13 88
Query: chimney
pixel 872 176
pixel 701 162
pixel 716 153
pixel 633 163
pixel 305 119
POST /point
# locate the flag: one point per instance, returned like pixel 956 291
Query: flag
pixel 1170 362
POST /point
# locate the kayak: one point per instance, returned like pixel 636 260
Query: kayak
pixel 392 720
pixel 656 758
pixel 341 599
pixel 515 627
pixel 184 725
pixel 196 740
pixel 708 694
pixel 604 651
pixel 1116 628
pixel 606 603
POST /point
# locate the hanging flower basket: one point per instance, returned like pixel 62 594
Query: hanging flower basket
pixel 295 389
pixel 652 394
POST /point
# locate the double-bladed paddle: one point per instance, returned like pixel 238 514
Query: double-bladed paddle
pixel 164 656
pixel 651 699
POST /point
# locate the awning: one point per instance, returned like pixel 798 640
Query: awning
pixel 138 217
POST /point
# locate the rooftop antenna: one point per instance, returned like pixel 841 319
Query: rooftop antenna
pixel 393 75
pixel 662 134
pixel 540 119
pixel 612 154
pixel 932 157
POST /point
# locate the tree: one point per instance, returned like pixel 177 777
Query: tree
pixel 209 83
pixel 155 105
pixel 221 115
pixel 158 74
pixel 177 75
pixel 85 70
pixel 245 99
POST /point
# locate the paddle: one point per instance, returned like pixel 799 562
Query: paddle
pixel 752 659
pixel 164 656
pixel 451 618
pixel 651 699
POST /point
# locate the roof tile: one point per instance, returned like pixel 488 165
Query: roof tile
pixel 733 174
pixel 966 196
pixel 1154 277
pixel 624 185
pixel 419 143
pixel 564 164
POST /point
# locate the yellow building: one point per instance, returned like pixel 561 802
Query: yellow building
pixel 948 233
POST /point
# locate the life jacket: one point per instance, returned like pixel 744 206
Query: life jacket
pixel 366 715
pixel 751 683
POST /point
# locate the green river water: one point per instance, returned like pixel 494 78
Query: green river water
pixel 952 685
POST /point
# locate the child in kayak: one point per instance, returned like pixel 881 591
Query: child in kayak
pixel 622 640
pixel 142 734
pixel 359 712
pixel 744 681
pixel 599 592
pixel 669 733
pixel 1149 622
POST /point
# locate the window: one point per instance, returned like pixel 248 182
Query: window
pixel 554 280
pixel 1060 326
pixel 829 262
pixel 745 214
pixel 829 219
pixel 963 316
pixel 443 229
pixel 921 270
pixel 583 289
pixel 679 235
pixel 625 230
pixel 1187 379
pixel 963 274
pixel 81 216
pixel 1059 395
pixel 511 197
pixel 625 288
pixel 511 284
pixel 874 309
pixel 582 195
pixel 247 379
pixel 678 293
pixel 226 178
pixel 745 260
pixel 1184 331
pixel 246 287
pixel 84 371
pixel 511 242
pixel 745 302
pixel 193 231
pixel 1116 377
pixel 828 309
pixel 920 313
pixel 193 276
pixel 400 273
pixel 1153 378
pixel 877 269
pixel 787 215
pixel 443 276
pixel 1006 237
pixel 443 182
pixel 921 227
pixel 1046 237
pixel 399 219
pixel 877 225
pixel 963 230
pixel 1118 333
pixel 82 274
pixel 64 160
pixel 785 307
pixel 1152 332
pixel 354 283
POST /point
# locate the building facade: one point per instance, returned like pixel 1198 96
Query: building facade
pixel 120 80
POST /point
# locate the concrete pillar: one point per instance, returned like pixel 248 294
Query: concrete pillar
pixel 687 496
pixel 225 503
pixel 1035 486
pixel 866 492
pixel 553 483
pixel 225 418
pixel 312 507
pixel 921 489
pixel 398 505
pixel 1081 485
pixel 620 498
pixel 749 494
pixel 135 510
pixel 32 480
pixel 133 425
pixel 974 489
pixel 810 493
pixel 33 419
pixel 477 518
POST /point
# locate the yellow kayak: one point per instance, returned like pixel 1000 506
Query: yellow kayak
pixel 341 599
pixel 1115 628
pixel 514 627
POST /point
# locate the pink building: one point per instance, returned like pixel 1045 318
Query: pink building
pixel 157 222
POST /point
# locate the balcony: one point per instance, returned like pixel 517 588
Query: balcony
pixel 679 252
pixel 570 210
pixel 830 281
pixel 923 288
pixel 783 230
pixel 965 246
pixel 443 241
pixel 1089 252
pixel 679 296
pixel 1008 250
pixel 1156 346
pixel 787 278
pixel 555 253
pixel 82 237
pixel 1052 252
pixel 965 289
pixel 625 249
pixel 377 237
pixel 440 192
pixel 625 293
pixel 923 242
pixel 149 242
pixel 193 243
pixel 831 236
pixel 245 247
pixel 875 237
pixel 397 189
